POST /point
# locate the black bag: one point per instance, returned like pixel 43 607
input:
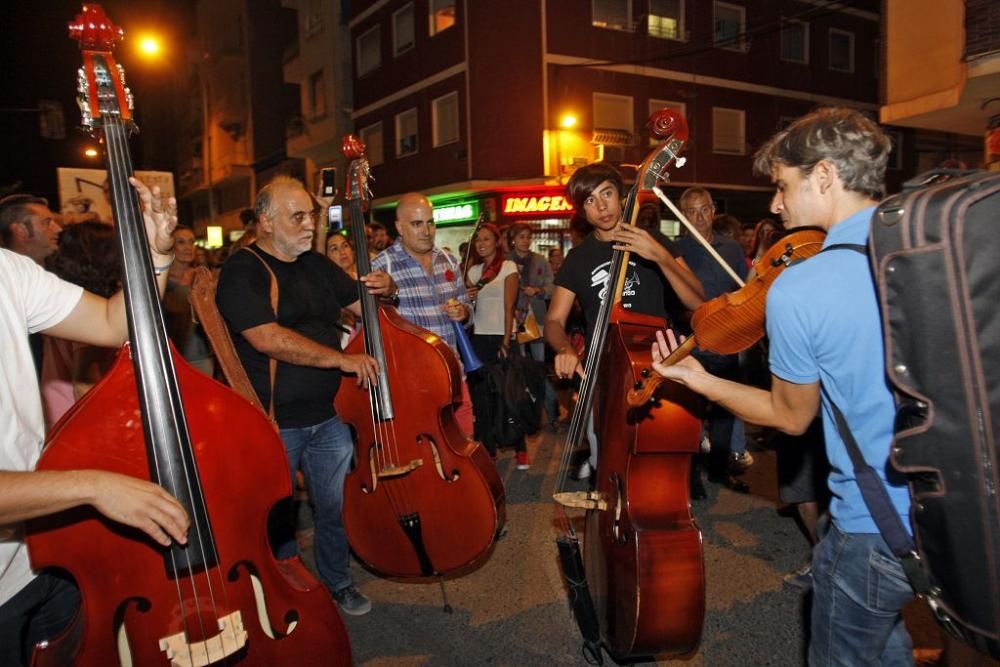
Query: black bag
pixel 515 386
pixel 935 252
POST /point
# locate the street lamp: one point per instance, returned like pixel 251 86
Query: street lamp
pixel 150 48
pixel 566 122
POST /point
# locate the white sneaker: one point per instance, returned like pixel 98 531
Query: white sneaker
pixel 706 445
pixel 583 472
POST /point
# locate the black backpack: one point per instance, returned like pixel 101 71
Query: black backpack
pixel 516 386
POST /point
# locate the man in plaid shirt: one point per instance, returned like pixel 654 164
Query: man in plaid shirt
pixel 430 288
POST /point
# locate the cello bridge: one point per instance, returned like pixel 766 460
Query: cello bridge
pixel 399 470
pixel 231 638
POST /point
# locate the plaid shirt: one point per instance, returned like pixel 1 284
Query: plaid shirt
pixel 422 299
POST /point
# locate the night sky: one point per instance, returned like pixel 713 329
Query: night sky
pixel 40 63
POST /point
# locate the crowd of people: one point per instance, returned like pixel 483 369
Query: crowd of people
pixel 291 311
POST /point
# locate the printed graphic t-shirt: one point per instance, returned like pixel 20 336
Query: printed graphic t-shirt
pixel 587 268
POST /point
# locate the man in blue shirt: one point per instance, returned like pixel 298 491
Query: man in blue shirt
pixel 826 345
pixel 429 284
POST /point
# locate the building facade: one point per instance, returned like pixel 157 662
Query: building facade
pixel 231 136
pixel 491 105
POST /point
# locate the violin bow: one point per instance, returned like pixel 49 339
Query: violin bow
pixel 697 235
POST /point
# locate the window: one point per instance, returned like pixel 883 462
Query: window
pixel 728 131
pixel 666 19
pixel 444 117
pixel 317 95
pixel 730 23
pixel 402 30
pixel 614 14
pixel 795 42
pixel 442 15
pixel 656 105
pixel 841 50
pixel 406 133
pixel 613 112
pixel 313 17
pixel 371 135
pixel 369 55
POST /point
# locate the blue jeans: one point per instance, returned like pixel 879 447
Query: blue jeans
pixel 323 452
pixel 859 589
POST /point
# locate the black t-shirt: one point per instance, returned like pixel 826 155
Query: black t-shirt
pixel 311 292
pixel 585 273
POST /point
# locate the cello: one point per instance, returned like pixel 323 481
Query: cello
pixel 222 597
pixel 423 500
pixel 643 565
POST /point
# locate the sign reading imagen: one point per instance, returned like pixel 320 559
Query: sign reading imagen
pixel 84 194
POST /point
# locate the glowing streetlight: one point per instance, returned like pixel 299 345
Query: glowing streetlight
pixel 150 46
pixel 567 121
pixel 90 152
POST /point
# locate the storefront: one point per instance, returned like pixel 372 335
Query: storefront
pixel 545 208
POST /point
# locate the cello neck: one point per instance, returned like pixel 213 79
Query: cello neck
pixel 356 191
pixel 168 441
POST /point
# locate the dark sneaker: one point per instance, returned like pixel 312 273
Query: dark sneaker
pixel 726 480
pixel 522 461
pixel 740 462
pixel 352 601
pixel 801 578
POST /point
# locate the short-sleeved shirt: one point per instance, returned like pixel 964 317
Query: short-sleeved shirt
pixel 421 296
pixel 489 315
pixel 31 299
pixel 311 292
pixel 713 277
pixel 587 268
pixel 824 326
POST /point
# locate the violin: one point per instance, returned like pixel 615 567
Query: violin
pixel 643 567
pixel 733 322
pixel 423 501
pixel 222 596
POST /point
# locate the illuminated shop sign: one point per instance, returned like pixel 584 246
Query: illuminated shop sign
pixel 535 204
pixel 458 212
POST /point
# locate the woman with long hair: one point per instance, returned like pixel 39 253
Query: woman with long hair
pixel 494 292
pixel 86 257
pixel 340 251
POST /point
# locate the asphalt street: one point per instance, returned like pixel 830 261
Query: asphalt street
pixel 513 610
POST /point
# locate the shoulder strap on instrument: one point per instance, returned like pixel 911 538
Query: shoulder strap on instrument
pixel 272 363
pixel 203 287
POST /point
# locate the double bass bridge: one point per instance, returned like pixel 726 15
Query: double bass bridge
pixel 231 638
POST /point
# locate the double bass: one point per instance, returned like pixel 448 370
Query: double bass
pixel 222 597
pixel 642 552
pixel 423 499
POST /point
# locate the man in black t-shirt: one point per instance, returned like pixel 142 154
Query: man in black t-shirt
pixel 305 341
pixel 655 273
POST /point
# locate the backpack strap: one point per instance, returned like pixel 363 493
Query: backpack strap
pixel 272 363
pixel 856 247
pixel 880 506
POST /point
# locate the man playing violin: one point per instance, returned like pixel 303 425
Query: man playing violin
pixel 826 349
pixel 37 606
pixel 655 275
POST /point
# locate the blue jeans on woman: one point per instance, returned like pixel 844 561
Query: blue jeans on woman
pixel 323 452
pixel 859 590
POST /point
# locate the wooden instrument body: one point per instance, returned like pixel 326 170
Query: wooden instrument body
pixel 442 516
pixel 122 574
pixel 643 554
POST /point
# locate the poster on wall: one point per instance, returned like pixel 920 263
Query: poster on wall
pixel 84 193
